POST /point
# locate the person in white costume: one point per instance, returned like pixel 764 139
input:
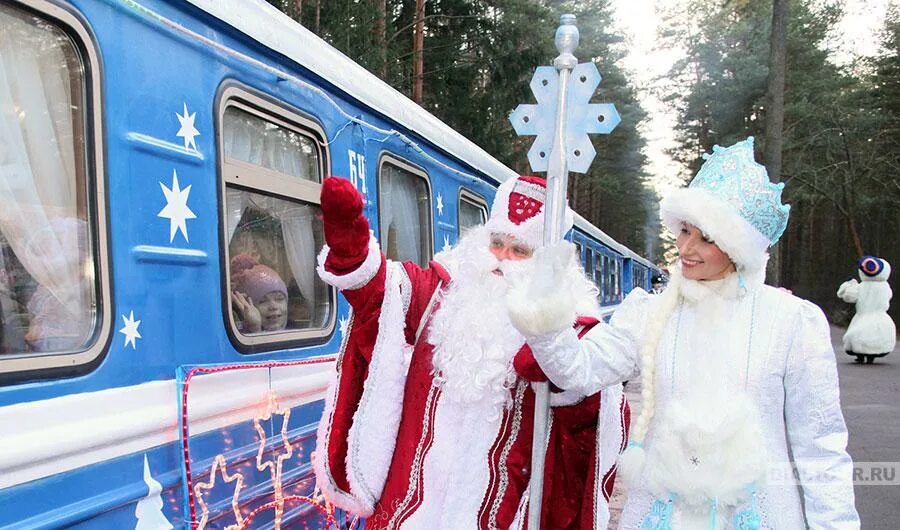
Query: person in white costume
pixel 736 376
pixel 871 333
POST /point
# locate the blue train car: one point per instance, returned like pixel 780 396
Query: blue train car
pixel 160 166
pixel 614 268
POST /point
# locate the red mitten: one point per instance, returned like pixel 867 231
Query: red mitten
pixel 346 229
pixel 527 366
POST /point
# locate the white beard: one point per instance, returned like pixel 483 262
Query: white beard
pixel 473 338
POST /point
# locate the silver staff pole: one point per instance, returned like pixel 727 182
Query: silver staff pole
pixel 561 120
pixel 557 184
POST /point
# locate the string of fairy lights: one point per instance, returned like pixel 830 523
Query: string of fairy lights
pixel 197 492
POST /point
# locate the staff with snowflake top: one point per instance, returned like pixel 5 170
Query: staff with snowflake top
pixel 561 121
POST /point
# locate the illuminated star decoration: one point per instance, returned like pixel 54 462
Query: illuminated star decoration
pixel 440 204
pixel 176 209
pixel 274 467
pixel 131 330
pixel 187 131
pixel 220 464
pixel 446 246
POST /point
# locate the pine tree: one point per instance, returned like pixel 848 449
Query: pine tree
pixel 149 509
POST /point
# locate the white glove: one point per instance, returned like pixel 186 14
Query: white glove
pixel 545 303
pixel 849 291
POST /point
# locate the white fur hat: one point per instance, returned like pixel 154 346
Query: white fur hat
pixel 518 210
pixel 733 202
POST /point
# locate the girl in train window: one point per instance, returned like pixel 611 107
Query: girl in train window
pixel 272 168
pixel 273 249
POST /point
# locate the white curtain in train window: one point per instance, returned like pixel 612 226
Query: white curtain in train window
pixel 296 231
pixel 402 231
pixel 470 215
pixel 254 140
pixel 37 170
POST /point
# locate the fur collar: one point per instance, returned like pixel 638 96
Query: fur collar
pixel 735 286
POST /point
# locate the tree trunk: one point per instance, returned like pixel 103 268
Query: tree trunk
pixel 418 56
pixel 775 110
pixel 318 16
pixel 298 11
pixel 381 36
pixel 575 180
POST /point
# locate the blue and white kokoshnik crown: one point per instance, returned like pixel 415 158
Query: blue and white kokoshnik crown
pixel 733 202
pixel 734 176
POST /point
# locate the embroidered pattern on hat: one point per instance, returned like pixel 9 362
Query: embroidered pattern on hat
pixel 526 200
pixel 732 175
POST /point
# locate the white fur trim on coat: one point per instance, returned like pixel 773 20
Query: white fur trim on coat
pixel 357 278
pixel 324 480
pixel 743 243
pixel 373 435
pixel 611 440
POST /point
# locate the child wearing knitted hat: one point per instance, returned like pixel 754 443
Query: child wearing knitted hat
pixel 259 295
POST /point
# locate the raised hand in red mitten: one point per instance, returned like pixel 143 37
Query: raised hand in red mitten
pixel 346 229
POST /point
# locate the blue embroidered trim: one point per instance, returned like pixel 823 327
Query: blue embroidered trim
pixel 748 518
pixel 660 516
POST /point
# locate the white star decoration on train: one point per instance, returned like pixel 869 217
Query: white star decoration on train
pixel 131 330
pixel 187 131
pixel 440 204
pixel 343 324
pixel 446 244
pixel 176 209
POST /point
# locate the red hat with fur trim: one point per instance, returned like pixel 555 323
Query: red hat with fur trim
pixel 518 210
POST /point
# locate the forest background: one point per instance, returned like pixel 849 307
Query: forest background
pixel 829 131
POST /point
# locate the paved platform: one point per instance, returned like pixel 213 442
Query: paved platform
pixel 870 400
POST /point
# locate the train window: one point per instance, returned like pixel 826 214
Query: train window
pixel 579 254
pixel 405 211
pixel 472 211
pixel 52 262
pixel 272 165
pixel 606 279
pixel 598 272
pixel 588 264
pixel 617 280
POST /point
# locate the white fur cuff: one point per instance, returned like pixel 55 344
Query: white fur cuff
pixel 357 278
